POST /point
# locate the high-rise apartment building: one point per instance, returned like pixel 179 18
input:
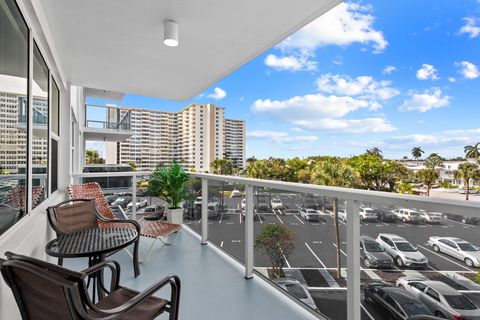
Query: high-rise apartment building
pixel 194 136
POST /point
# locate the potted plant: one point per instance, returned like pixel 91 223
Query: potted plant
pixel 169 183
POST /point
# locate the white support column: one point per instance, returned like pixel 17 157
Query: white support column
pixel 134 196
pixel 204 211
pixel 353 261
pixel 249 232
pixel 30 124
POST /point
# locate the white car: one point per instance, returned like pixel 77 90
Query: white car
pixel 470 191
pixel 140 204
pixel 457 248
pixel 309 214
pixel 342 215
pixel 407 215
pixel 402 251
pixel 235 193
pixel 443 300
pixel 276 203
pixel 430 217
pixel 367 214
pixel 295 288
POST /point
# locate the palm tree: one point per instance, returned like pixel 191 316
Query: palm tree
pixel 375 152
pixel 92 157
pixel 433 161
pixel 417 153
pixel 428 177
pixel 467 171
pixel 224 167
pixel 472 151
pixel 334 172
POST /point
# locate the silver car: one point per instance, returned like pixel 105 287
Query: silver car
pixel 373 254
pixel 457 248
pixel 441 299
pixel 295 288
pixel 402 251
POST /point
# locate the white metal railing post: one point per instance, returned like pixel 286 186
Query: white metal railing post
pixel 134 197
pixel 204 211
pixel 353 261
pixel 249 232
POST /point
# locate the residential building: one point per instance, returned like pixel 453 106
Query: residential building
pixel 194 136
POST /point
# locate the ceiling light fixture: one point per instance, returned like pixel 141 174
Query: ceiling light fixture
pixel 170 33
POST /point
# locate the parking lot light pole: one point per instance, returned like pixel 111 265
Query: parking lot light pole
pixel 134 197
pixel 204 211
pixel 353 261
pixel 249 232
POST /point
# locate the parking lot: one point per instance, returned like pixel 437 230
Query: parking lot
pixel 315 251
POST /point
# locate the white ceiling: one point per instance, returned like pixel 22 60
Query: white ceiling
pixel 117 45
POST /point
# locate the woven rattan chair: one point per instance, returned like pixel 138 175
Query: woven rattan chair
pixel 159 230
pixel 44 291
pixel 80 214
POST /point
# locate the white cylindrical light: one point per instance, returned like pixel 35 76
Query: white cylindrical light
pixel 170 33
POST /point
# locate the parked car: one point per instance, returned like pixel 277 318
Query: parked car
pixel 295 288
pixel 310 204
pixel 122 201
pixel 367 214
pixel 443 300
pixel 457 248
pixel 342 215
pixel 140 204
pixel 373 254
pixel 243 204
pixel 402 251
pixel 464 191
pixel 386 215
pixel 462 219
pixel 262 205
pixel 309 214
pixel 399 303
pixel 408 215
pixel 235 193
pixel 154 212
pixel 111 198
pixel 276 203
pixel 430 217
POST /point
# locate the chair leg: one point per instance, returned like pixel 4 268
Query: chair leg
pixel 136 267
pixel 169 243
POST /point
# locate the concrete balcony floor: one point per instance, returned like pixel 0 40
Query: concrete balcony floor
pixel 213 286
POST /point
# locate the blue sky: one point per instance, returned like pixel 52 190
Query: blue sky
pixel 390 74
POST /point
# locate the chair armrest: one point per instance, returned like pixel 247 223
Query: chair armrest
pixel 114 267
pixel 172 280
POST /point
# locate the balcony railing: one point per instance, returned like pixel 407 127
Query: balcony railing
pixel 105 117
pixel 314 259
pixel 39 118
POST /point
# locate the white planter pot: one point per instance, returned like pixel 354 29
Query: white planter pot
pixel 175 215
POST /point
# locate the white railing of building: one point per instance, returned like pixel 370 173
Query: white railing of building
pixel 353 198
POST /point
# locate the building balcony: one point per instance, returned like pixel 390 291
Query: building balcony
pixel 105 123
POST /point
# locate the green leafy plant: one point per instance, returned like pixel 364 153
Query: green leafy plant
pixel 169 183
pixel 477 278
pixel 277 242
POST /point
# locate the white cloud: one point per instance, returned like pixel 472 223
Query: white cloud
pixel 280 137
pixel 290 63
pixel 471 27
pixel 345 24
pixel 432 139
pixel 427 72
pixel 452 79
pixel 375 125
pixel 389 69
pixel 217 94
pixel 468 69
pixel 364 87
pixel 426 100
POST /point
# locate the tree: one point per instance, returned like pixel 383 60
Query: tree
pixel 370 170
pixel 434 161
pixel 375 152
pixel 277 242
pixel 132 165
pixel 334 172
pixel 472 151
pixel 428 177
pixel 92 157
pixel 223 167
pixel 250 160
pixel 417 153
pixel 394 172
pixel 405 188
pixel 467 171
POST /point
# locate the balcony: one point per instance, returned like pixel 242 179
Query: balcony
pixel 104 123
pixel 39 119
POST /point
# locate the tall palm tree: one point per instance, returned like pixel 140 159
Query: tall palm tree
pixel 428 177
pixel 467 171
pixel 334 172
pixel 417 153
pixel 472 151
pixel 375 152
pixel 223 167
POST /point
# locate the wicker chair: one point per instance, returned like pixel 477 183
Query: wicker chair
pixel 80 214
pixel 45 291
pixel 159 230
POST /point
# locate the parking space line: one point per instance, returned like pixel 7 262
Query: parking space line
pixel 221 217
pixel 368 313
pixel 308 247
pixel 298 219
pixel 221 244
pixel 276 215
pixel 458 264
pixel 340 249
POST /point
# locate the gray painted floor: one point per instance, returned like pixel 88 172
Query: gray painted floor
pixel 213 286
